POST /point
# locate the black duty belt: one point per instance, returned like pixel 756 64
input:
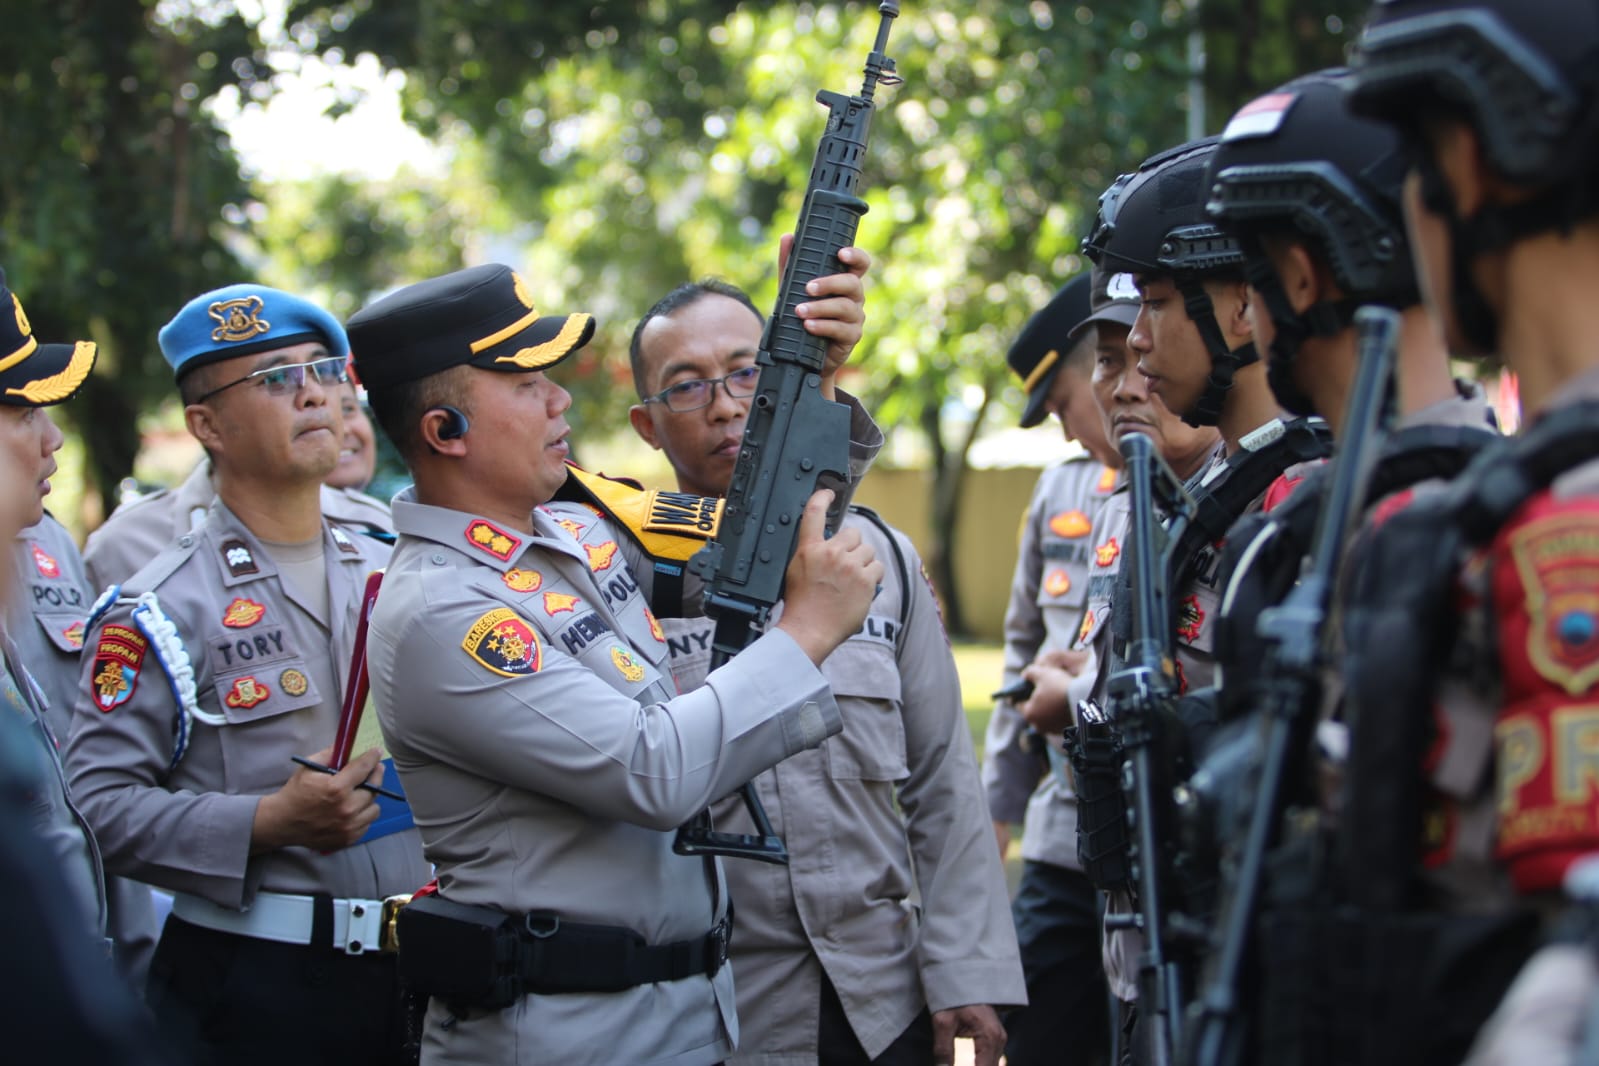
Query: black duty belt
pixel 481 957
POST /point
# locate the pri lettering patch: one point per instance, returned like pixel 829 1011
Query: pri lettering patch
pixel 490 538
pixel 503 642
pixel 116 666
pixel 243 613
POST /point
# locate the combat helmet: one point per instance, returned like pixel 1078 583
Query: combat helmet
pixel 1297 161
pixel 1152 223
pixel 1524 74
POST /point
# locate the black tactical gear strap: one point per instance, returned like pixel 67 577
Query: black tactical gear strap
pixel 1224 362
pixel 900 564
pixel 1324 319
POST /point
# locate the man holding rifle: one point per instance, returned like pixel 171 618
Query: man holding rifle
pixel 218 663
pixel 830 967
pixel 521 679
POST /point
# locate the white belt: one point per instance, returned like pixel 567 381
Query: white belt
pixel 359 925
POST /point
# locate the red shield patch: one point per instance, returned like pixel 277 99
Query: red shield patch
pixel 503 642
pixel 1556 558
pixel 116 666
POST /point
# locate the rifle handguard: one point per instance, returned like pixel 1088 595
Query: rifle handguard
pixel 1095 752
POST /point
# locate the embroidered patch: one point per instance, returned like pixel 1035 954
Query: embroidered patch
pixel 73 635
pixel 243 613
pixel 1106 553
pixel 503 642
pixel 1057 583
pixel 1556 558
pixel 1106 482
pixel 487 537
pixel 1070 524
pixel 116 666
pixel 556 602
pixel 571 526
pixel 293 682
pixel 246 693
pixel 629 667
pixel 46 563
pixel 236 555
pixel 238 320
pixel 1260 117
pixel 1189 617
pixel 518 580
pixel 673 512
pixel 342 539
pixel 655 626
pixel 601 555
pixel 1088 624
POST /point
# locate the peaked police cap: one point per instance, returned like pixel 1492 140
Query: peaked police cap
pixel 34 374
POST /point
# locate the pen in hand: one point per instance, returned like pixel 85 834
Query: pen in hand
pixel 319 768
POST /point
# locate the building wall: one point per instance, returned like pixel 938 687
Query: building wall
pixel 986 532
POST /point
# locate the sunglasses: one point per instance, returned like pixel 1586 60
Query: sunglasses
pixel 290 378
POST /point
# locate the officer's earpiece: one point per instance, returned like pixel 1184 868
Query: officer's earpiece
pixel 455 423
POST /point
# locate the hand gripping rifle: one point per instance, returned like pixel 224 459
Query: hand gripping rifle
pixel 1294 633
pixel 1142 695
pixel 795 441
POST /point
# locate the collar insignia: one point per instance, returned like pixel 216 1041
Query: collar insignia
pixel 490 538
pixel 236 554
pixel 46 563
pixel 342 539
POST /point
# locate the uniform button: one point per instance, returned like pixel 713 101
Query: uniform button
pixel 438 560
pixel 185 540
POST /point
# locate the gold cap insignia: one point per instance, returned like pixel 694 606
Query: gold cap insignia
pixel 238 320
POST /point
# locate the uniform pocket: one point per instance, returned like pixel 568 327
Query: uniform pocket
pixel 864 676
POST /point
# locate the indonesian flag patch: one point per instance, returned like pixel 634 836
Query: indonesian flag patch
pixel 503 642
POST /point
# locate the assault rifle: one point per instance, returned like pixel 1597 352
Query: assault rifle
pixel 1294 633
pixel 1142 696
pixel 795 441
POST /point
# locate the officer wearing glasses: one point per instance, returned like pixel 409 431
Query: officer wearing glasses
pixel 212 667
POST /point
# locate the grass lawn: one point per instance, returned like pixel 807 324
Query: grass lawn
pixel 980 667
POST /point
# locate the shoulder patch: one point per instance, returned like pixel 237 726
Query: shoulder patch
pixel 501 641
pixel 1557 557
pixel 667 525
pixel 243 613
pixel 490 538
pixel 117 661
pixel 237 558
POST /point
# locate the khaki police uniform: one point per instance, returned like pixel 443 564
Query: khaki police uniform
pixel 137 530
pixel 47 624
pixel 523 686
pixel 893 892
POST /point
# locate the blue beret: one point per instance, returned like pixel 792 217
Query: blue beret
pixel 242 320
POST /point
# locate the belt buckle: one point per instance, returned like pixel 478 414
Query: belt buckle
pixel 389 930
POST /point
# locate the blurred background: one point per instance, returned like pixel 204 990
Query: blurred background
pixel 609 151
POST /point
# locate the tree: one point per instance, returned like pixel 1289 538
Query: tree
pixel 112 196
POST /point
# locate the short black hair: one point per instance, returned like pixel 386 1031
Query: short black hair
pixel 398 409
pixel 685 294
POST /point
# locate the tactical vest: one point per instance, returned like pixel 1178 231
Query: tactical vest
pixel 1361 973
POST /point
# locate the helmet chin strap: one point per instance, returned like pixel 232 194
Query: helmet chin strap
pixel 1326 318
pixel 1224 362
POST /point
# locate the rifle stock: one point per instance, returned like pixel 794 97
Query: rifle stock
pixel 795 440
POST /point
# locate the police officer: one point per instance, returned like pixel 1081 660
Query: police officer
pixel 209 672
pixel 522 682
pixel 828 968
pixel 35 376
pixel 1497 102
pixel 1056 909
pixel 137 530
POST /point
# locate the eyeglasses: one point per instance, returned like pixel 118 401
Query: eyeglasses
pixel 290 378
pixel 700 392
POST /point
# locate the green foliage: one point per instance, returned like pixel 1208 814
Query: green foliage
pixel 111 195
